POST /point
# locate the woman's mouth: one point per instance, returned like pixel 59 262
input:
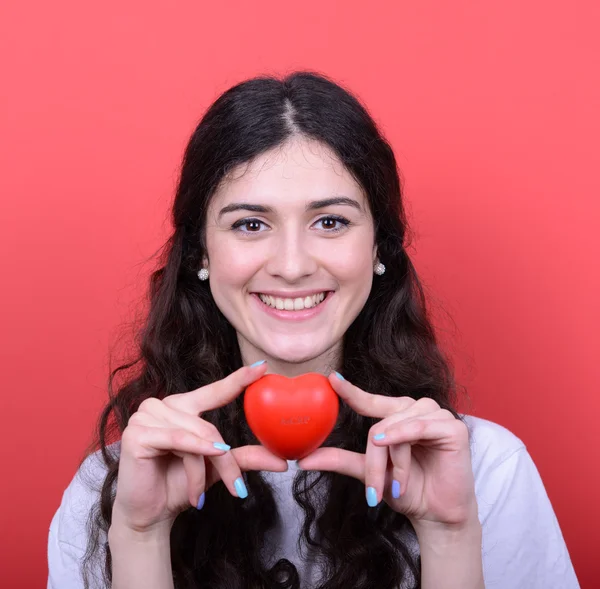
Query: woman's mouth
pixel 297 308
pixel 297 304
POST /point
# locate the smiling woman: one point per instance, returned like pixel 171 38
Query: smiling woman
pixel 288 256
pixel 305 243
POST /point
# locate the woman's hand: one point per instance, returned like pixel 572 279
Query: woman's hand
pixel 417 458
pixel 169 457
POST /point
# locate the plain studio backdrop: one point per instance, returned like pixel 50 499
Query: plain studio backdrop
pixel 492 110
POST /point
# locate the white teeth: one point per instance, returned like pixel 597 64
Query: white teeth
pixel 296 304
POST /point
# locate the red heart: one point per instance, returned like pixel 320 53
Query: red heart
pixel 291 417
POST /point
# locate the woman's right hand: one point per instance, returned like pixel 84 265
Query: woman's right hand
pixel 168 458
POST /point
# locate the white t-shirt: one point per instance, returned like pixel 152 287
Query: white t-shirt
pixel 523 547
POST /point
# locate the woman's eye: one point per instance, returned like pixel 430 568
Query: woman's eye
pixel 333 224
pixel 250 225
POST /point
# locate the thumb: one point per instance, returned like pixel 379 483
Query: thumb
pixel 252 458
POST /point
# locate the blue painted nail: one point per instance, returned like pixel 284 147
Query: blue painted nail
pixel 371 497
pixel 240 488
pixel 395 489
pixel 220 446
pixel 379 437
pixel 201 502
pixel 257 363
pixel 339 375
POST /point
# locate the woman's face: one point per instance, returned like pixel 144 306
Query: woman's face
pixel 276 247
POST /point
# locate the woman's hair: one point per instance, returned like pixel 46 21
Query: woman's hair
pixel 185 342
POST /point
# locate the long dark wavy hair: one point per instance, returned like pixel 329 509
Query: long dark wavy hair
pixel 185 342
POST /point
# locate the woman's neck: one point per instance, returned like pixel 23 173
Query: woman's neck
pixel 324 364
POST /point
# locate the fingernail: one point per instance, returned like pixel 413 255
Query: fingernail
pixel 371 497
pixel 379 437
pixel 257 363
pixel 339 375
pixel 220 446
pixel 240 488
pixel 201 502
pixel 395 489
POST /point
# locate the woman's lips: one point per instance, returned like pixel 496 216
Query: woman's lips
pixel 301 315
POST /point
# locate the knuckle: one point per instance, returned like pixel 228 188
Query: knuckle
pixel 372 472
pixel 419 426
pixel 371 403
pixel 136 419
pixel 461 430
pixel 336 458
pixel 447 414
pixel 171 400
pixel 132 435
pixel 211 429
pixel 150 405
pixel 242 454
pixel 398 471
pixel 220 388
pixel 180 437
pixel 196 465
pixel 428 404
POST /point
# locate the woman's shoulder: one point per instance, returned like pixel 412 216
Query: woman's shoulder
pixel 522 539
pixel 491 443
pixel 70 519
pixel 68 532
pixel 507 481
pixel 89 477
pixel 499 459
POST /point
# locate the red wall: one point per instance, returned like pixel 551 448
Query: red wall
pixel 492 108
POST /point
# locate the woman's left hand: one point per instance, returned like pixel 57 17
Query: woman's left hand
pixel 417 459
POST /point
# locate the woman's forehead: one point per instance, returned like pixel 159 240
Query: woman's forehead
pixel 295 172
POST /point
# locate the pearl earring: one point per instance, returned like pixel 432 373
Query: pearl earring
pixel 379 269
pixel 203 274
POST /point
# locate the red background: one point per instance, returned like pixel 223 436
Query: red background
pixel 492 108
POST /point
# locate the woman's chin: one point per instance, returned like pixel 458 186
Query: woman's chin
pixel 293 356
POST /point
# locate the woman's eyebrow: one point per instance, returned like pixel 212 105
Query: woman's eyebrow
pixel 311 206
pixel 244 206
pixel 334 200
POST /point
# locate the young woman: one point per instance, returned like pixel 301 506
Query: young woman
pixel 288 256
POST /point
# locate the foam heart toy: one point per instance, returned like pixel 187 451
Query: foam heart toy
pixel 291 417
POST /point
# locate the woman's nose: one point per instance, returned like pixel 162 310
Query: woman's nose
pixel 291 258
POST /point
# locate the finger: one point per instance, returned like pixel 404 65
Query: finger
pixel 195 472
pixel 258 458
pixel 400 455
pixel 420 428
pixel 230 473
pixel 438 431
pixel 376 462
pixel 145 420
pixel 251 458
pixel 148 442
pixel 216 394
pixel 422 407
pixel 366 403
pixel 345 462
pixel 173 417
